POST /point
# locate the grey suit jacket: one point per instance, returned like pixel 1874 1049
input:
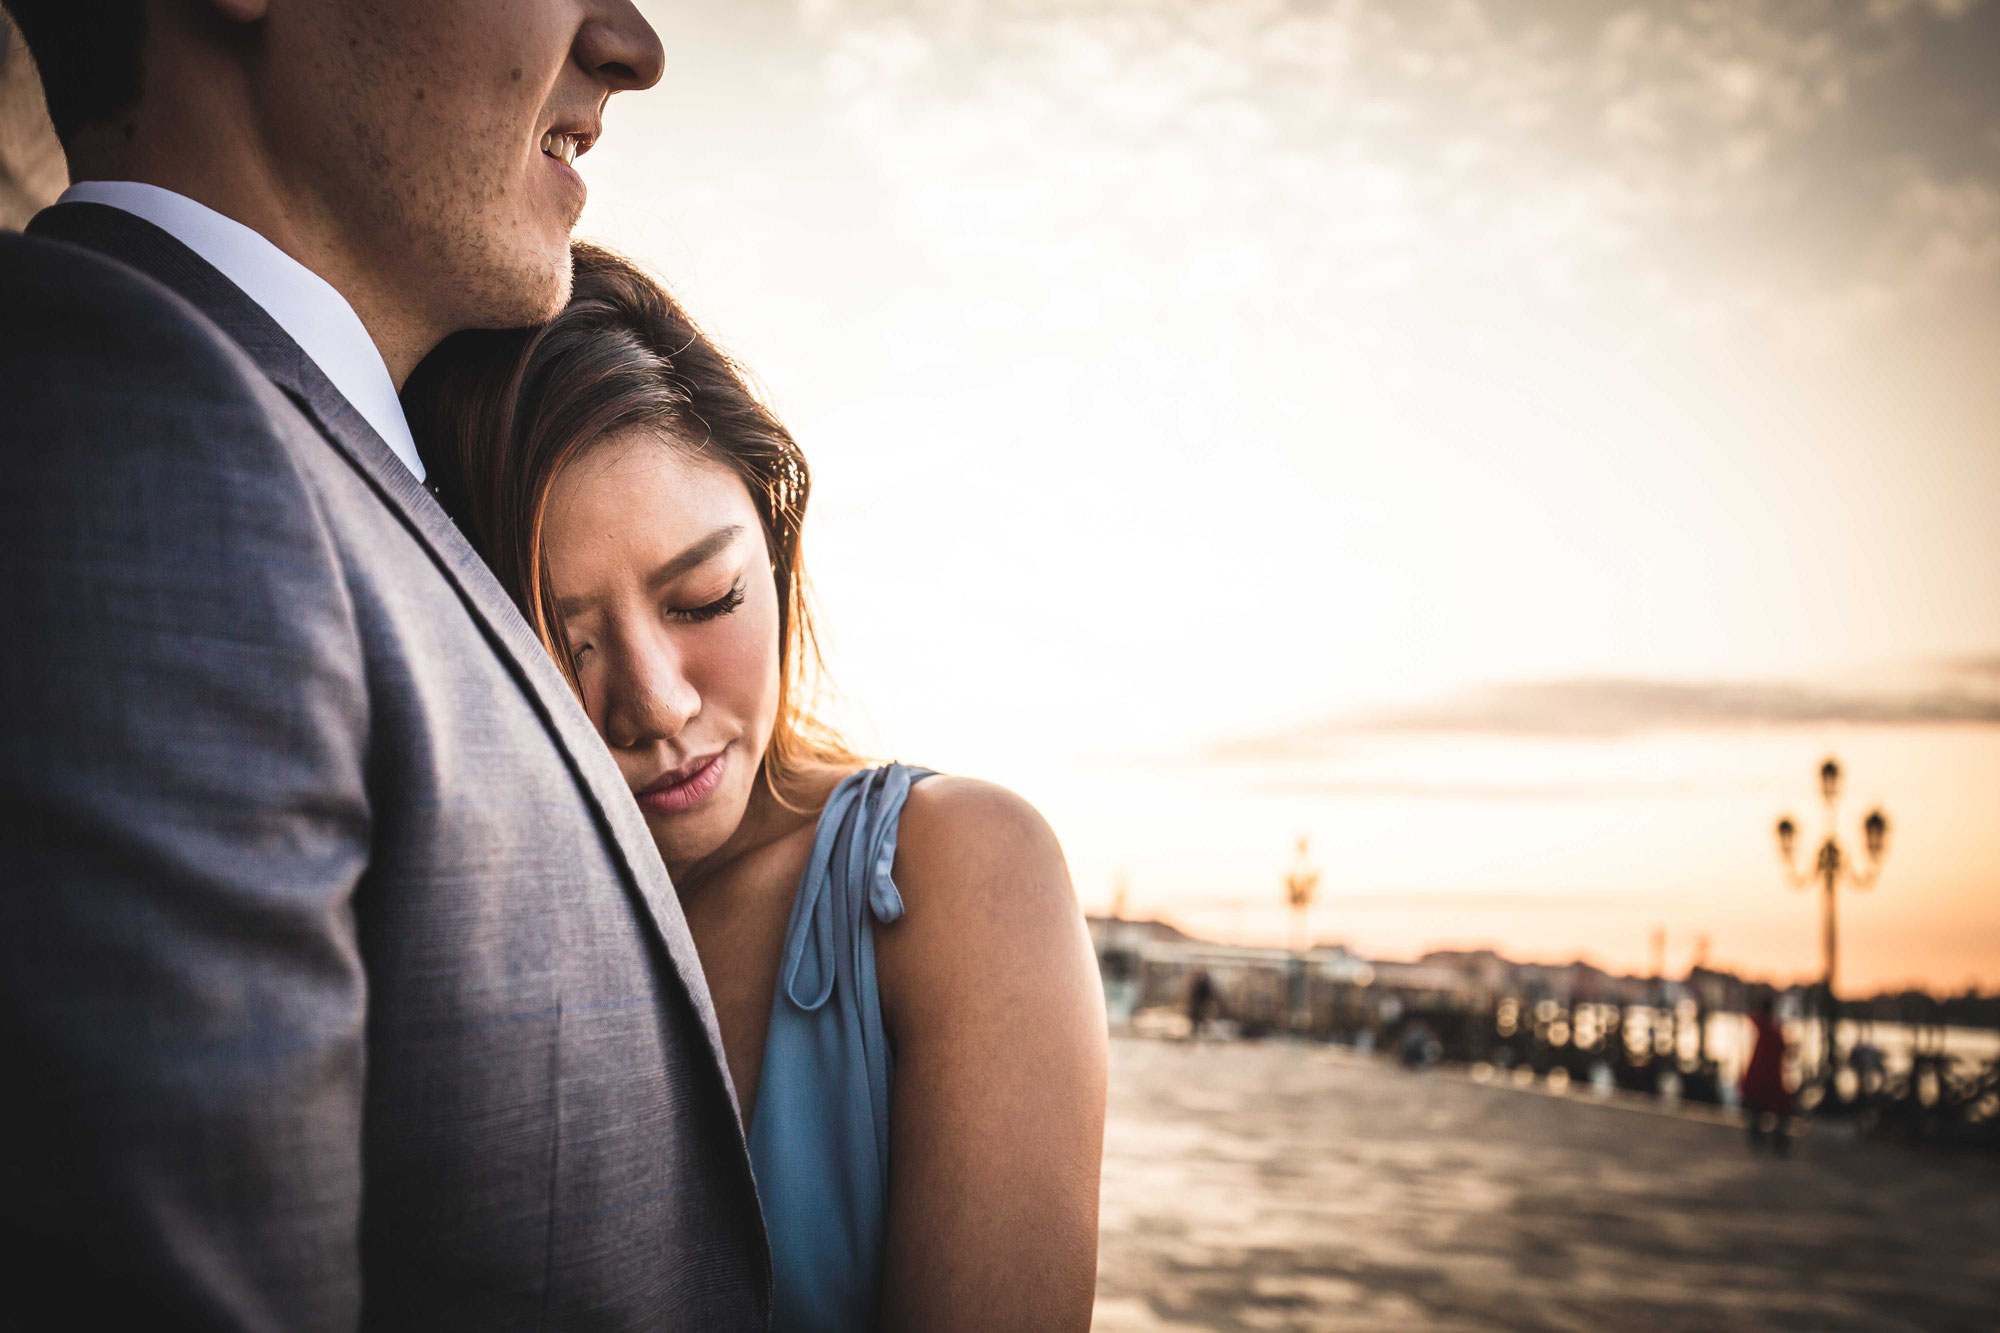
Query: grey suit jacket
pixel 340 983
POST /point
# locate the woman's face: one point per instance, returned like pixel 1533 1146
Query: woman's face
pixel 662 582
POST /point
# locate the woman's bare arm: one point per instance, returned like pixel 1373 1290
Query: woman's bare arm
pixel 992 1000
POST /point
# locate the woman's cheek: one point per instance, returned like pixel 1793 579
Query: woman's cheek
pixel 738 666
pixel 765 651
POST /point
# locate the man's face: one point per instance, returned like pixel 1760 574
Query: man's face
pixel 434 135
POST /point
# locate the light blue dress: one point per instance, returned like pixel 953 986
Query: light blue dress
pixel 819 1132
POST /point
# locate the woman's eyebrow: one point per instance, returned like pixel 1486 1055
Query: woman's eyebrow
pixel 694 555
pixel 715 541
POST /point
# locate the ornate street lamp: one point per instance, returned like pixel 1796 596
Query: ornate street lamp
pixel 1300 882
pixel 1830 869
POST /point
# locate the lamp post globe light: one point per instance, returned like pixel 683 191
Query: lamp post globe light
pixel 1830 868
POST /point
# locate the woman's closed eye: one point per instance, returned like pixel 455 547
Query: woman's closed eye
pixel 721 606
pixel 690 615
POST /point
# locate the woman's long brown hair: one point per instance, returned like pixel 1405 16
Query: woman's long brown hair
pixel 500 414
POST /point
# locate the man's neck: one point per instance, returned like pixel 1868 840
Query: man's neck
pixel 306 233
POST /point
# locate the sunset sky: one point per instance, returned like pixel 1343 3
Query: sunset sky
pixel 1508 442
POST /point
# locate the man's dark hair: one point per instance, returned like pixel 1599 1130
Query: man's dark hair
pixel 87 52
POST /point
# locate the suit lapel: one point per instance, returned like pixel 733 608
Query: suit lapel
pixel 152 251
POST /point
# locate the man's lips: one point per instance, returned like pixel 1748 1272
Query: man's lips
pixel 685 787
pixel 560 146
pixel 567 145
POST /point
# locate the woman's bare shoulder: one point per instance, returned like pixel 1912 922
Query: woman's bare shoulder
pixel 987 903
pixel 967 838
pixel 990 991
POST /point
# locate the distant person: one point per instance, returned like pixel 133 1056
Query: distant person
pixel 1767 1103
pixel 1200 1002
pixel 906 989
pixel 340 983
pixel 1418 1048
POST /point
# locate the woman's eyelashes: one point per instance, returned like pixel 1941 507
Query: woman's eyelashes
pixel 692 615
pixel 721 606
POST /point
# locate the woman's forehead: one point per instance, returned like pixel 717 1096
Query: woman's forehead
pixel 658 469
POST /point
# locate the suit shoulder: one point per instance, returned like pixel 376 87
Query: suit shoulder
pixel 74 317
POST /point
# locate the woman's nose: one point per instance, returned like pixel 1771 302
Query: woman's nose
pixel 650 697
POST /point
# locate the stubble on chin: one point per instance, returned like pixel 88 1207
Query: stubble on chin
pixel 553 285
pixel 499 271
pixel 460 230
pixel 512 291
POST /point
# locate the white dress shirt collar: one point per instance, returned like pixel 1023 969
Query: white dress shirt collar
pixel 305 305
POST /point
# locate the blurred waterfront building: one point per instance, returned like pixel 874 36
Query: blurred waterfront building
pixel 1915 1056
pixel 1148 965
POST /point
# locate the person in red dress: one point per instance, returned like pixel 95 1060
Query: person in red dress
pixel 1767 1103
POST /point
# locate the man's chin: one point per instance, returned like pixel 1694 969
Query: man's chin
pixel 533 292
pixel 559 283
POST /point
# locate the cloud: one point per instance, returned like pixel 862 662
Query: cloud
pixel 1594 708
pixel 1348 148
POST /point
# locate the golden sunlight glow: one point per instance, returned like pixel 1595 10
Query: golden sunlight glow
pixel 1511 449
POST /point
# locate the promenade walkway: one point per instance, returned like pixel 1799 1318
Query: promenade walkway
pixel 1269 1186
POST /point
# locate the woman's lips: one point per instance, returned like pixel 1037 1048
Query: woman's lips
pixel 685 787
